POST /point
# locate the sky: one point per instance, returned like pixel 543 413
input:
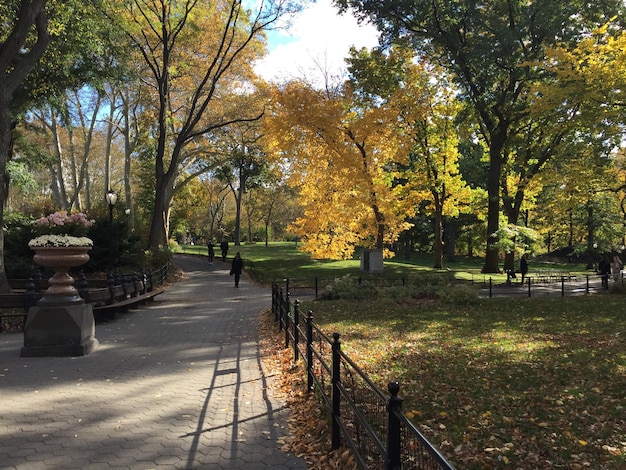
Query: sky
pixel 318 35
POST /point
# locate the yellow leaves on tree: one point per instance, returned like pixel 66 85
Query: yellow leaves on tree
pixel 342 158
pixel 593 72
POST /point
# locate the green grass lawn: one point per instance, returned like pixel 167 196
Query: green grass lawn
pixel 280 260
pixel 502 383
pixel 523 383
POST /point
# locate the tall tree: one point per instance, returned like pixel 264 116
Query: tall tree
pixel 342 156
pixel 426 107
pixel 487 47
pixel 25 40
pixel 243 164
pixel 45 47
pixel 199 56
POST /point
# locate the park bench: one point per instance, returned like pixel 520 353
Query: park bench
pixel 106 311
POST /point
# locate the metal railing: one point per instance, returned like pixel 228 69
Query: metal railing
pixel 364 418
pixel 116 287
pixel 564 285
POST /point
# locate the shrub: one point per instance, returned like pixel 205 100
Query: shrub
pixel 348 288
pixel 426 286
pixel 460 294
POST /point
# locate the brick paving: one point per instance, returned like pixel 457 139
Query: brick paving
pixel 177 384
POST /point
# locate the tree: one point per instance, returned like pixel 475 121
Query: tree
pixel 426 108
pixel 67 130
pixel 199 57
pixel 342 157
pixel 487 47
pixel 44 49
pixel 20 50
pixel 242 166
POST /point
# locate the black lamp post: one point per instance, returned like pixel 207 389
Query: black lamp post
pixel 111 199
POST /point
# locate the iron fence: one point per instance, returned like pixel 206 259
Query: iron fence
pixel 369 421
pixel 554 284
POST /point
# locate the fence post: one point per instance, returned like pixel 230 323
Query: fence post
pixel 83 287
pixel 490 293
pixel 394 406
pixel 529 290
pixel 296 335
pixel 281 308
pixel 37 280
pixel 336 397
pixel 111 286
pixel 273 297
pixel 30 296
pixel 287 286
pixel 562 286
pixel 287 312
pixel 309 350
pixel 587 288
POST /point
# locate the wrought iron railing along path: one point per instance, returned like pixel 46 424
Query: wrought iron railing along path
pixel 367 420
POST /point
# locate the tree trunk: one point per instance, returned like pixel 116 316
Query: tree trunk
pixel 450 233
pixel 493 203
pixel 158 228
pixel 15 64
pixel 438 248
pixel 5 152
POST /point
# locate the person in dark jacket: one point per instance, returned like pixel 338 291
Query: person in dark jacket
pixel 224 250
pixel 211 248
pixel 523 266
pixel 236 268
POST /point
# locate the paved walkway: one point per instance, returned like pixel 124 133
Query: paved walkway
pixel 178 384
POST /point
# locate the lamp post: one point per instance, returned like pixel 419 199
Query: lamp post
pixel 111 199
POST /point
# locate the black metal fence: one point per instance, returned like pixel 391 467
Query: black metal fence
pixel 369 421
pixel 116 287
pixel 554 284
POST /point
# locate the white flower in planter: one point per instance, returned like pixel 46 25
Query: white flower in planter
pixel 60 240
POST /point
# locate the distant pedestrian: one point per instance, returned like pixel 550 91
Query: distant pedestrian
pixel 211 248
pixel 616 267
pixel 523 266
pixel 236 268
pixel 604 268
pixel 224 248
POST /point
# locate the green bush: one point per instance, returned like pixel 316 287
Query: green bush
pixel 348 288
pixel 460 294
pixel 426 286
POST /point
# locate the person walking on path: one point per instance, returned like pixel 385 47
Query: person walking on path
pixel 224 248
pixel 236 268
pixel 211 249
pixel 523 266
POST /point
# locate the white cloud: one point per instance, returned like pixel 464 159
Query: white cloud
pixel 318 40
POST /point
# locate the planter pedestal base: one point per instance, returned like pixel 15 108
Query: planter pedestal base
pixel 54 329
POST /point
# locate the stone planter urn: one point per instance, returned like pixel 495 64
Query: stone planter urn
pixel 61 259
pixel 61 324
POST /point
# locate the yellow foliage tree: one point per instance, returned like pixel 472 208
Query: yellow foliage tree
pixel 341 157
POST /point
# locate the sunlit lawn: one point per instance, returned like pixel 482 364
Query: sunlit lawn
pixel 280 260
pixel 505 383
pixel 524 383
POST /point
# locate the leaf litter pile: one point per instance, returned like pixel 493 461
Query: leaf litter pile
pixel 502 383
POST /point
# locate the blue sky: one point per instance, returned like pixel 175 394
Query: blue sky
pixel 317 38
